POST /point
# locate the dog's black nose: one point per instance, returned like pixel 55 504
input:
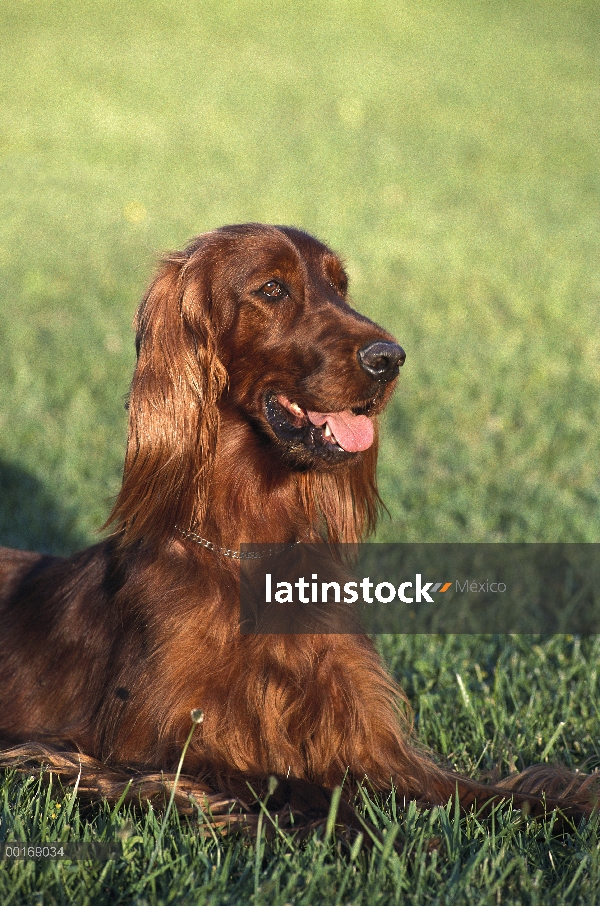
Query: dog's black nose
pixel 382 360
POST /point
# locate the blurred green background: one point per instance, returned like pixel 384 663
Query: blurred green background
pixel 449 150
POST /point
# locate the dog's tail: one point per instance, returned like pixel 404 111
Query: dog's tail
pixel 545 787
pixel 538 791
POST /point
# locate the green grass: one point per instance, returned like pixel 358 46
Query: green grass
pixel 450 151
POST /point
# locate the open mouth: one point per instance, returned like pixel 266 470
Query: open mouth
pixel 327 434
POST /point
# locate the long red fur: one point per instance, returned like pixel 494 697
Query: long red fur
pixel 103 655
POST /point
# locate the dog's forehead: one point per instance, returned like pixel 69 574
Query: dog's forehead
pixel 270 253
pixel 240 254
pixel 316 253
pixel 280 252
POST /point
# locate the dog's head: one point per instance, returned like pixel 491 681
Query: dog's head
pixel 250 322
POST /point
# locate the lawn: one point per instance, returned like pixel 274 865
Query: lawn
pixel 450 150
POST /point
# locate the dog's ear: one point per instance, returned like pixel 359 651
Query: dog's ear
pixel 173 414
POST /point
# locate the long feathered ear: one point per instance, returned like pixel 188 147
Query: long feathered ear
pixel 173 414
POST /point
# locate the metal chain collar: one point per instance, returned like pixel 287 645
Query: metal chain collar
pixel 225 552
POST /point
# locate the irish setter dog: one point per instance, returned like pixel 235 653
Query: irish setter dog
pixel 252 418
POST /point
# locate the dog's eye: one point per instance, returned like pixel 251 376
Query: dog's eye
pixel 273 290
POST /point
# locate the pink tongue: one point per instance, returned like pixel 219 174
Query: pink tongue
pixel 352 432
